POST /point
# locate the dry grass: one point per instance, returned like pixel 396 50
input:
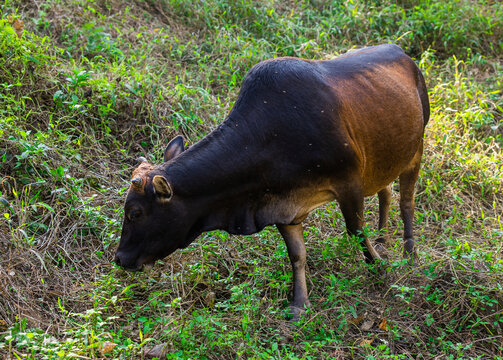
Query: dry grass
pixel 226 296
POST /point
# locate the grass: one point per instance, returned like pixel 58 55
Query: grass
pixel 88 86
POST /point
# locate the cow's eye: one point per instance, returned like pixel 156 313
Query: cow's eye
pixel 134 214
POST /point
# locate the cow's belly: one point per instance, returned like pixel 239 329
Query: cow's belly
pixel 381 168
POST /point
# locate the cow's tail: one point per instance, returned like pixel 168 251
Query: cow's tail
pixel 423 95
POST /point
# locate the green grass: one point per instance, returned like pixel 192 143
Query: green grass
pixel 91 85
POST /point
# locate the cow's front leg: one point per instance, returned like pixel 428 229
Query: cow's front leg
pixel 294 239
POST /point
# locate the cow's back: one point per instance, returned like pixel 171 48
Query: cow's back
pixel 383 105
pixel 361 112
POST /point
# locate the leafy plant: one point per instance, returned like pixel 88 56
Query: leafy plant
pixel 87 86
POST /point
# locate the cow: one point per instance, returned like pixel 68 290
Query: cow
pixel 300 134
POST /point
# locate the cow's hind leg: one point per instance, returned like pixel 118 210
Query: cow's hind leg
pixel 294 239
pixel 408 180
pixel 351 203
pixel 384 202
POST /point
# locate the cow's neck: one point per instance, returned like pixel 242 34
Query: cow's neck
pixel 221 177
pixel 225 178
pixel 224 161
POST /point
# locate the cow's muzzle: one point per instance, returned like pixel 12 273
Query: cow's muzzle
pixel 126 263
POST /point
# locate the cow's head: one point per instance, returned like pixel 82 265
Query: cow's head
pixel 155 218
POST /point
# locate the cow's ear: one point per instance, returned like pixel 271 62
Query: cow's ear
pixel 174 148
pixel 162 188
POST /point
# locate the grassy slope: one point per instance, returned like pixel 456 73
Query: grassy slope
pixel 91 85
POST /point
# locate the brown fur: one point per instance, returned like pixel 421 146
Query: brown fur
pixel 141 172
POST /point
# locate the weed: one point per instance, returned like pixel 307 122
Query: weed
pixel 87 87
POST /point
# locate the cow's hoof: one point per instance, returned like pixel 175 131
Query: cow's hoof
pixel 381 240
pixel 410 257
pixel 381 250
pixel 409 252
pixel 297 312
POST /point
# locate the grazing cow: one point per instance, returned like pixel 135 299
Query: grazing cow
pixel 301 133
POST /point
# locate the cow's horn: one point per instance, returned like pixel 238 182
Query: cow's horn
pixel 141 159
pixel 137 182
